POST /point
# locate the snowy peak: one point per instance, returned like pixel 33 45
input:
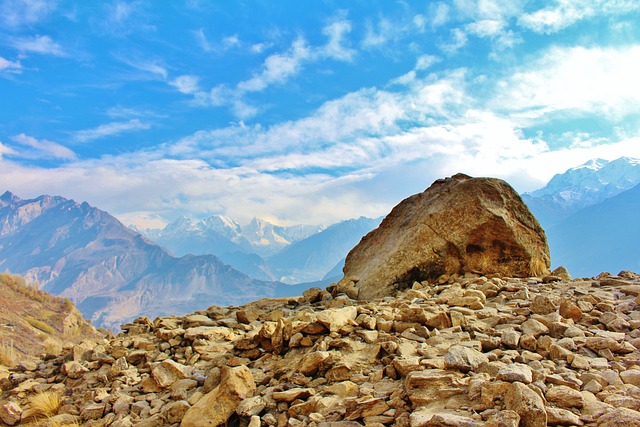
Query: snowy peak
pixel 593 181
pixel 582 186
pixel 222 225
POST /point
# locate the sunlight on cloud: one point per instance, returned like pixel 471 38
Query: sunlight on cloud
pixel 576 80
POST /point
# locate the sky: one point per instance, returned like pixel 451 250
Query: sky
pixel 306 111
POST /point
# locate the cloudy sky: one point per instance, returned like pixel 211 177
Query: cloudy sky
pixel 306 111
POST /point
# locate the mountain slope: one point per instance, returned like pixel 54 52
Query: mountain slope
pixel 110 272
pixel 604 236
pixel 33 322
pixel 582 186
pixel 312 258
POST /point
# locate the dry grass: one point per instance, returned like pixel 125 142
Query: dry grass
pixel 39 324
pixel 44 405
pixel 7 355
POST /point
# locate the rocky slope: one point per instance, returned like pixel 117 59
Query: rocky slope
pixel 32 321
pixel 458 351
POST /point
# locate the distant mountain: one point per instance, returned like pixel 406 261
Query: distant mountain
pixel 601 237
pixel 310 259
pixel 582 186
pixel 112 273
pixel 220 234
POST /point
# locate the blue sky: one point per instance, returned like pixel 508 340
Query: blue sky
pixel 306 112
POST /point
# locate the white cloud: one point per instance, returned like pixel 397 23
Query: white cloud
pixel 42 148
pixel 279 67
pixel 109 129
pixel 426 61
pixel 575 80
pixel 564 13
pixel 438 14
pixel 486 27
pixel 17 13
pixel 337 32
pixel 39 44
pixel 10 66
pixel 186 84
pixel 154 67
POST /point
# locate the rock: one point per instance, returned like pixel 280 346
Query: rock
pixel 534 327
pixel 215 408
pixel 565 396
pixel 542 304
pixel 506 418
pixel 563 417
pixel 620 417
pixel 464 358
pixel 425 387
pixel 631 376
pixel 570 310
pixel 336 318
pixel 458 225
pixel 515 372
pixel 452 420
pixel 10 413
pixel 93 411
pixel 168 372
pixel 527 404
pixel 174 412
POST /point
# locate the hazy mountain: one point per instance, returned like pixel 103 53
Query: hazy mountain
pixel 310 259
pixel 601 237
pixel 582 186
pixel 112 273
pixel 224 237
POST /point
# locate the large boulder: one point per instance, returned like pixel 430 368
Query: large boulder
pixel 458 225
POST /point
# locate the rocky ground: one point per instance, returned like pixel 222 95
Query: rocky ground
pixel 463 351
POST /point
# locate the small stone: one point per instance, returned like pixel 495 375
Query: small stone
pixel 464 359
pixel 565 396
pixel 10 413
pixel 534 327
pixel 527 404
pixel 620 417
pixel 510 338
pixel 570 310
pixel 542 304
pixel 515 372
pixel 506 418
pixel 562 417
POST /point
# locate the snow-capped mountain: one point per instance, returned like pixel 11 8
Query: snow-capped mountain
pixel 582 186
pixel 220 234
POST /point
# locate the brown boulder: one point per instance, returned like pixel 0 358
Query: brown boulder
pixel 458 225
pixel 215 408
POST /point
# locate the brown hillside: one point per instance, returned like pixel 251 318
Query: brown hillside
pixel 33 322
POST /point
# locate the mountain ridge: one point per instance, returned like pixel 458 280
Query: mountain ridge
pixel 82 253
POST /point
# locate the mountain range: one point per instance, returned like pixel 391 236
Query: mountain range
pixel 260 249
pixel 114 273
pixel 590 215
